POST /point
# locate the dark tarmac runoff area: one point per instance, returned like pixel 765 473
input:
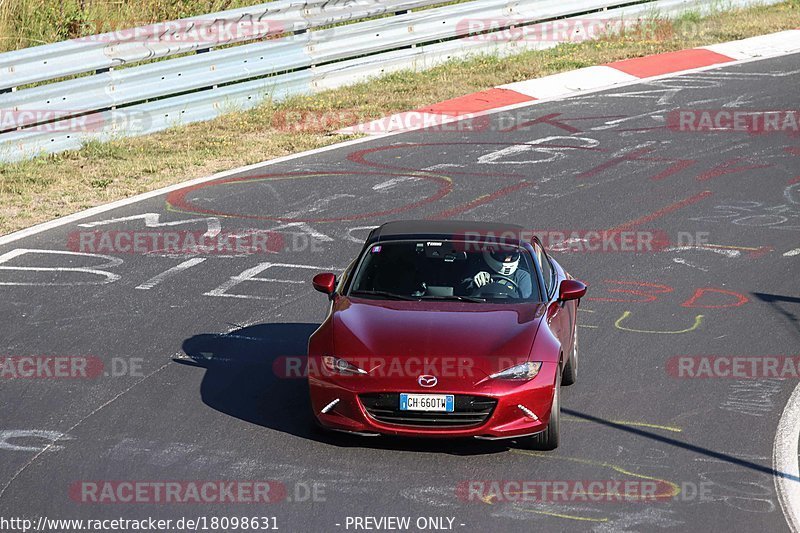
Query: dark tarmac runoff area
pixel 167 397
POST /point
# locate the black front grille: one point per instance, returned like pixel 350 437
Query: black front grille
pixel 468 411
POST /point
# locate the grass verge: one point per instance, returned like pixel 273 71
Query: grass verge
pixel 25 23
pixel 55 185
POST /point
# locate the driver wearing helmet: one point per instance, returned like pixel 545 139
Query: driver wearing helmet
pixel 502 267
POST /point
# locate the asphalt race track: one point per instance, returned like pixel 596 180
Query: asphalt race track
pixel 199 398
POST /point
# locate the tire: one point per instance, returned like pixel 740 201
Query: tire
pixel 571 368
pixel 548 439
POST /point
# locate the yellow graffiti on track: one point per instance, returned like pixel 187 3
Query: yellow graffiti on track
pixel 698 320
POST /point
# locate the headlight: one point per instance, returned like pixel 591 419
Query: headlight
pixel 340 366
pixel 523 371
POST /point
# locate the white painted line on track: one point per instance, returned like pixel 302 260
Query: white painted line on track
pixel 785 461
pixel 152 282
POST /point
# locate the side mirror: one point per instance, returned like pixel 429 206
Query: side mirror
pixel 571 289
pixel 325 282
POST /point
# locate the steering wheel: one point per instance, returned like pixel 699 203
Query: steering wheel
pixel 498 279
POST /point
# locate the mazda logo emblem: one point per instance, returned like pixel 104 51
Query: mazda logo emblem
pixel 427 380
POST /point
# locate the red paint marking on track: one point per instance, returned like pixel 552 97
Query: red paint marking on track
pixel 698 295
pixel 546 119
pixel 663 211
pixel 561 123
pixel 632 156
pixel 477 102
pixel 677 164
pixel 794 180
pixel 658 64
pixel 680 165
pixel 794 150
pixel 656 288
pixel 729 167
pixel 481 200
pixel 360 157
pixel 177 199
pixel 761 251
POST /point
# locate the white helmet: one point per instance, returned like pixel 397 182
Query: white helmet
pixel 504 260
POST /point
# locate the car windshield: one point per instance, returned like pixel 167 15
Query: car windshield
pixel 446 270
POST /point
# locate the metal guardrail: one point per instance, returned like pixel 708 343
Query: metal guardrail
pixel 123 47
pixel 152 97
pixel 240 63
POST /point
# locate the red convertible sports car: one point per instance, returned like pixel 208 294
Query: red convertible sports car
pixel 446 329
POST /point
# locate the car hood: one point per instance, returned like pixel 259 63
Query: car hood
pixel 486 337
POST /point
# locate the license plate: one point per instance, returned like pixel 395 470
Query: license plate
pixel 427 402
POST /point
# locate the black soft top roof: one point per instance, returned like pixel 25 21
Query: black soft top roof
pixel 446 229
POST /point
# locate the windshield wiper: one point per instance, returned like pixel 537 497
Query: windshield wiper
pixel 385 294
pixel 453 297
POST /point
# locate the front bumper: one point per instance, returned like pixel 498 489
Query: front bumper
pixel 506 420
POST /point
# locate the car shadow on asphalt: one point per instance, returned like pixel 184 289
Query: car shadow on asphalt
pixel 247 377
pixel 680 444
pixel 782 305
